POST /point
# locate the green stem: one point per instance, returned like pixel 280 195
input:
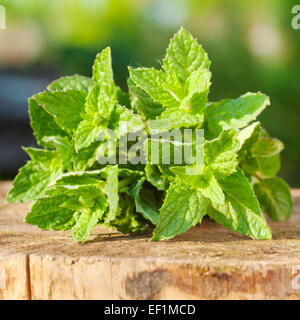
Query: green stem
pixel 125 182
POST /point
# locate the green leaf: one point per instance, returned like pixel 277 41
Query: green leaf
pixel 262 167
pixel 247 137
pixel 241 211
pixel 134 122
pixel 47 214
pixel 238 187
pixel 235 216
pixel 79 185
pixel 235 114
pixel 75 201
pixel 220 154
pixel 87 220
pixel 98 109
pixel 212 190
pixel 269 167
pixel 198 85
pixel 259 154
pixel 86 158
pixel 145 201
pixel 43 124
pixel 96 102
pixel 32 180
pixel 183 208
pixel 41 155
pixel 176 119
pixel 111 191
pixel 65 106
pixel 205 182
pixel 127 220
pixel 184 81
pixel 152 81
pixel 86 134
pixel 155 177
pixel 102 70
pixel 185 55
pixel 64 150
pixel 102 113
pixel 75 82
pixel 275 198
pixel 147 107
pixel 266 147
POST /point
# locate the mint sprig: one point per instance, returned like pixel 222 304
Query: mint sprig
pixel 72 121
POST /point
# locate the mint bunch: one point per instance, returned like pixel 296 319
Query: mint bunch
pixel 72 122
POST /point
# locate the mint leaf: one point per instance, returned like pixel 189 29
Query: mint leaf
pixel 235 216
pixel 261 167
pixel 111 191
pixel 261 157
pixel 152 81
pixel 185 55
pixel 65 106
pixel 47 214
pixel 43 124
pixel 268 167
pixel 103 76
pixel 102 70
pixel 64 150
pixel 238 187
pixel 145 201
pixel 87 220
pixel 35 176
pixel 86 158
pixel 275 198
pixel 234 114
pixel 167 90
pixel 247 137
pixel 76 201
pixel 146 106
pixel 198 85
pixel 266 147
pixel 183 208
pixel 102 113
pixel 221 154
pixel 134 122
pixel 240 211
pixel 184 81
pixel 212 190
pixel 75 82
pixel 176 119
pixel 86 134
pixel 127 220
pixel 81 185
pixel 155 177
pixel 98 109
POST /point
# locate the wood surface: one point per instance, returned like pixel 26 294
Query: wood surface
pixel 207 262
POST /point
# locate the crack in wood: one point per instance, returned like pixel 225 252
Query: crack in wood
pixel 28 280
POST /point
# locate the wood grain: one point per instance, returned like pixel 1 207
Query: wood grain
pixel 207 262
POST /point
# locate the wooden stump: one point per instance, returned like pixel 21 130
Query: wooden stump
pixel 207 262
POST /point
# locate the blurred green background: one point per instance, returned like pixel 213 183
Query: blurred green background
pixel 251 44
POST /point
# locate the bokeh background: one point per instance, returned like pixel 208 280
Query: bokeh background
pixel 251 44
